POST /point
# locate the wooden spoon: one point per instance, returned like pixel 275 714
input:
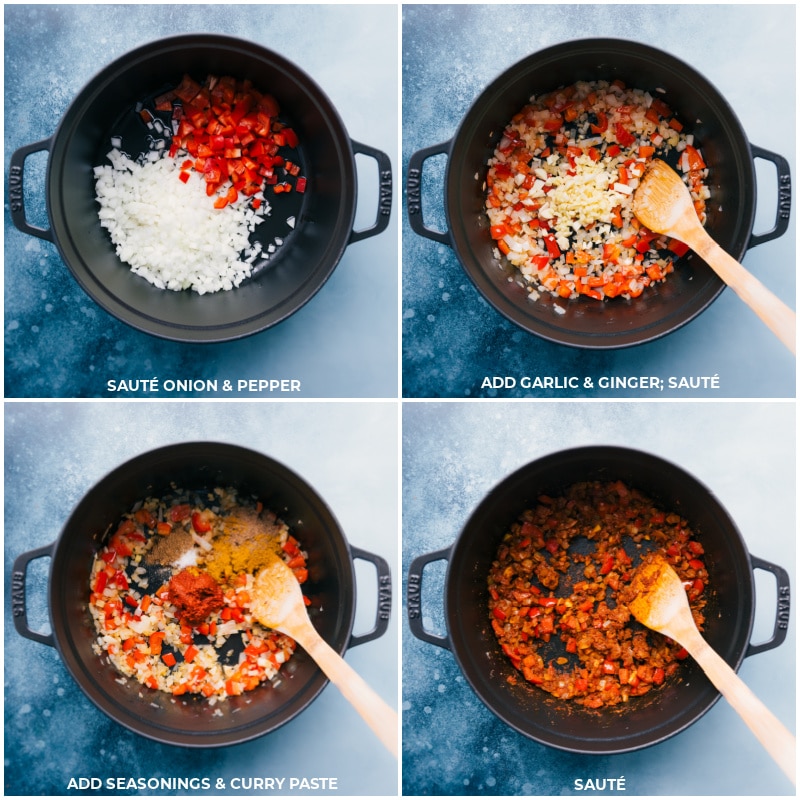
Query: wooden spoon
pixel 277 603
pixel 659 601
pixel 662 202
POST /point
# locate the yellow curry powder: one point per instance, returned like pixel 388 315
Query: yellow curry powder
pixel 245 543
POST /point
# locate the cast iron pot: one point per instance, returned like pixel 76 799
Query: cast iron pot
pixel 324 214
pixel 584 322
pixel 197 465
pixel 650 718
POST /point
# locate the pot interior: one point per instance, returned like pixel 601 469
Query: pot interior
pixel 705 113
pixel 644 720
pixel 323 214
pixel 190 721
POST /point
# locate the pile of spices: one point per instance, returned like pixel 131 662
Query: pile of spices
pixel 170 594
pixel 245 542
pixel 172 548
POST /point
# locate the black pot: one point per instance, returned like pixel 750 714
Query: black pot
pixel 197 465
pixel 584 322
pixel 645 720
pixel 324 214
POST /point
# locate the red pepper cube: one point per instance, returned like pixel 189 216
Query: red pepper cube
pixel 291 137
pixel 100 583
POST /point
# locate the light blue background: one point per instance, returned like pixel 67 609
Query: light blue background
pixel 343 343
pixel 455 453
pixel 452 338
pixel 55 452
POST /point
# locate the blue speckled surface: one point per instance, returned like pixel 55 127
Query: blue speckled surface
pixel 341 344
pixel 55 452
pixel 454 453
pixel 452 338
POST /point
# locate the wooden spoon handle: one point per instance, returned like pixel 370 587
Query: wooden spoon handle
pixel 775 314
pixel 772 734
pixel 375 712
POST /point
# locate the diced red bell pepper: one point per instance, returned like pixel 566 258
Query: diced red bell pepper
pixel 290 546
pixel 552 546
pixel 553 249
pixel 156 640
pixel 546 626
pixel 660 107
pixel 126 527
pixel 145 517
pixel 602 123
pixel 228 118
pixel 654 272
pixel 608 565
pixel 200 522
pixel 121 548
pixel 694 159
pixel 540 262
pixel 623 135
pixel 678 247
pixel 291 137
pixel 611 253
pixel 100 581
pixel 178 513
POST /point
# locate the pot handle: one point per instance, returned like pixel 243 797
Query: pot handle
pixel 16 199
pixel 781 612
pixel 384 191
pixel 414 192
pixel 783 210
pixel 414 598
pixel 384 610
pixel 18 594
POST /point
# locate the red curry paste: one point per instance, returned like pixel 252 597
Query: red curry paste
pixel 196 595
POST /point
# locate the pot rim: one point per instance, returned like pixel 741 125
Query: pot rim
pixel 473 666
pixel 201 330
pixel 516 311
pixel 141 720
